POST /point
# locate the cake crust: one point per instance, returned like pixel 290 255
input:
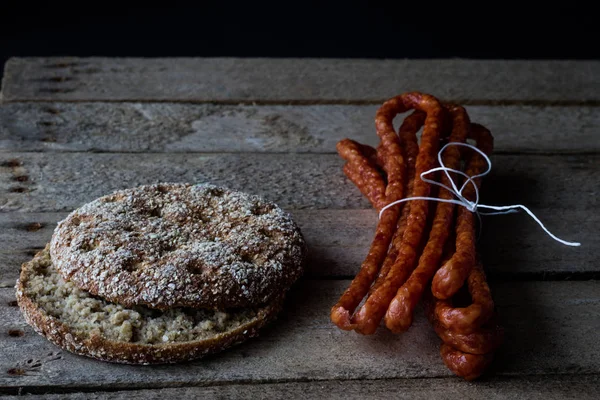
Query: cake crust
pixel 55 312
pixel 180 245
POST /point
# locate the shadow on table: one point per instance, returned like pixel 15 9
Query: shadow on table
pixel 511 246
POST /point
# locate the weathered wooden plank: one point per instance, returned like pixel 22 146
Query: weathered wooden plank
pixel 173 127
pixel 59 183
pixel 550 329
pixel 10 266
pixel 22 231
pixel 558 387
pixel 281 80
pixel 513 247
pixel 44 182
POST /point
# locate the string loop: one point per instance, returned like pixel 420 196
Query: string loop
pixel 472 206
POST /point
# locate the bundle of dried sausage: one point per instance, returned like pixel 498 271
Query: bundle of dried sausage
pixel 422 249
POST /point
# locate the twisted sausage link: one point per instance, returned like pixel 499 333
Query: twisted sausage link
pixel 399 315
pixel 469 334
pixel 371 154
pixel 451 276
pixel 462 346
pixel 470 318
pixel 393 164
pixel 368 317
pixel 367 190
pixel 361 170
pixel 465 365
pixel 408 140
pixel 341 312
pixel 482 341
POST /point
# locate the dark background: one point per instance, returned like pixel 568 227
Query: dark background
pixel 299 29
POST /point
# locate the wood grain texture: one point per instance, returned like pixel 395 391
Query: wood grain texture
pixel 550 330
pixel 283 80
pixel 512 246
pixel 294 181
pixel 173 127
pixel 545 111
pixel 557 387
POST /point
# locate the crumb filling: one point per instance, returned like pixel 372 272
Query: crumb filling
pixel 87 314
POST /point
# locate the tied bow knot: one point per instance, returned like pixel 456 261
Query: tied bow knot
pixel 472 206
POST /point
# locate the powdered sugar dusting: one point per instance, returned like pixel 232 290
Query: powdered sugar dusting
pixel 169 245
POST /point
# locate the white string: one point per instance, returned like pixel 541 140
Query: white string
pixel 472 206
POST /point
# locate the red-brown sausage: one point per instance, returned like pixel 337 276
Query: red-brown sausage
pixel 368 317
pixel 465 365
pixel 452 275
pixel 470 318
pixel 399 315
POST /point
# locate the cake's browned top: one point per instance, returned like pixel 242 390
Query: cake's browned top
pixel 170 245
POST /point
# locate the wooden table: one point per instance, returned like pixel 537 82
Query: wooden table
pixel 74 129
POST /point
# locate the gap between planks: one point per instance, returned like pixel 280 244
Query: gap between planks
pixel 288 79
pixel 10 264
pixel 549 331
pixel 173 128
pixel 293 181
pixel 547 387
pixel 317 102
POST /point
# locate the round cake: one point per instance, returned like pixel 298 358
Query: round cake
pixel 179 245
pixel 162 273
pixel 86 325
